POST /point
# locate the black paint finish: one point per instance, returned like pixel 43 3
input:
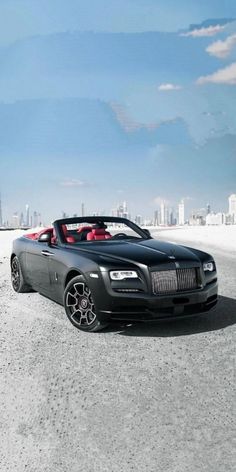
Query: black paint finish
pixel 47 268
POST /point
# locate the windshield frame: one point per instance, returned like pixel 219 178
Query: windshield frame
pixel 96 220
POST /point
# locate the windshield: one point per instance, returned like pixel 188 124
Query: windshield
pixel 90 229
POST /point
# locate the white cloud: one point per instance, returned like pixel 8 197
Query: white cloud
pixel 222 76
pixel 73 183
pixel 202 32
pixel 168 87
pixel 222 49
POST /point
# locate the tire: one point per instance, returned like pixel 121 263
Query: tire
pixel 79 306
pixel 17 279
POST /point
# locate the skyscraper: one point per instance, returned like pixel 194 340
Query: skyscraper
pixel 181 213
pixel 232 206
pixel 35 222
pixel 162 213
pixel 157 217
pixel 22 219
pixel 82 209
pixel 27 215
pixel 15 220
pixel 122 211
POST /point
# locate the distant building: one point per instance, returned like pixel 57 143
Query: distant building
pixel 164 214
pixel 121 211
pixel 197 219
pixel 229 219
pixel 15 220
pixel 22 222
pixel 215 219
pixel 138 220
pixel 172 218
pixel 163 209
pixel 157 218
pixel 82 209
pixel 181 213
pixel 35 222
pixel 208 209
pixel 232 207
pixel 27 215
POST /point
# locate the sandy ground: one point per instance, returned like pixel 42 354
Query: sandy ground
pixel 156 397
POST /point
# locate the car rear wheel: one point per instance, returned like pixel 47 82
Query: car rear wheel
pixel 79 306
pixel 17 278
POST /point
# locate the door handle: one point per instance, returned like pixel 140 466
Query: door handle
pixel 47 253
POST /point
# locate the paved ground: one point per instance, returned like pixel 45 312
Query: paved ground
pixel 143 398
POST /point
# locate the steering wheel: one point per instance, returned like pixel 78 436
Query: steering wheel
pixel 119 235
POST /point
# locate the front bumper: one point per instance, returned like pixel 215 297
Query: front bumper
pixel 140 306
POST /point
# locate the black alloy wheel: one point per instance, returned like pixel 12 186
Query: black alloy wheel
pixel 17 278
pixel 79 305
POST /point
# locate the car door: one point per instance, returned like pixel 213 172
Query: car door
pixel 37 263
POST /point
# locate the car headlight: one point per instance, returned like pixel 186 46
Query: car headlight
pixel 123 274
pixel 208 266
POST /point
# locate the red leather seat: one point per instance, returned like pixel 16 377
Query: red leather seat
pixel 98 234
pixel 83 231
pixel 68 237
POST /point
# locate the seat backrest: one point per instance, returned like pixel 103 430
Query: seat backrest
pixel 68 237
pixel 98 234
pixel 54 237
pixel 83 231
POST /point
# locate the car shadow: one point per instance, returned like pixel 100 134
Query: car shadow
pixel 223 315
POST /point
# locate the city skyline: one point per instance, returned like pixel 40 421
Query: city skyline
pixel 163 215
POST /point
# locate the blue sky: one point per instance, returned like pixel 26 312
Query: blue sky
pixel 102 101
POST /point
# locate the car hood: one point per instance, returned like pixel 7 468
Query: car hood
pixel 149 252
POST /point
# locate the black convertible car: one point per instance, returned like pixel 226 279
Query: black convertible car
pixel 104 268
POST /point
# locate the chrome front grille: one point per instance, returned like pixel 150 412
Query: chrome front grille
pixel 177 280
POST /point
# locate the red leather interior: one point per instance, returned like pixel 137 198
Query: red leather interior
pixel 68 238
pixel 98 234
pixel 93 234
pixel 31 235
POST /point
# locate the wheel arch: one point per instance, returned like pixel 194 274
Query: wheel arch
pixel 71 274
pixel 12 257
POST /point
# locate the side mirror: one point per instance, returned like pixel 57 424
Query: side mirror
pixel 45 238
pixel 147 232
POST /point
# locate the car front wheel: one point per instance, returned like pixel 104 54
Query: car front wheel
pixel 79 305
